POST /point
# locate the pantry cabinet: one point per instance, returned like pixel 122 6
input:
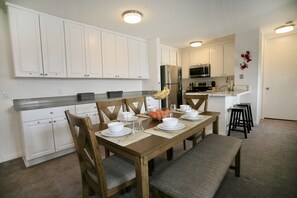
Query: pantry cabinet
pixel 45 134
pixel 25 40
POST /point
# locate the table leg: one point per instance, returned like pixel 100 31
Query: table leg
pixel 215 126
pixel 142 177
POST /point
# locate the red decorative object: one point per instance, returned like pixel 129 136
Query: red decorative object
pixel 246 57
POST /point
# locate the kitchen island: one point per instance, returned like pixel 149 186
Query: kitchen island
pixel 221 101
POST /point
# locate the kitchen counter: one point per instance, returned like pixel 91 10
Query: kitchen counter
pixel 48 102
pixel 221 93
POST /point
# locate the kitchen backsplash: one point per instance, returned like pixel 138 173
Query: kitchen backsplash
pixel 220 81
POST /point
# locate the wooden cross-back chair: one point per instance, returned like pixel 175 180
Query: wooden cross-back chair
pixel 199 101
pixel 104 109
pixel 103 177
pixel 140 101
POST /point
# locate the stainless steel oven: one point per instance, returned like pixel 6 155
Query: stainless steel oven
pixel 200 71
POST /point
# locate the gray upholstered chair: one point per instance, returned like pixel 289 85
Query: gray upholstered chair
pixel 103 177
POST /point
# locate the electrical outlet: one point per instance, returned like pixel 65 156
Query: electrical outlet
pixel 241 76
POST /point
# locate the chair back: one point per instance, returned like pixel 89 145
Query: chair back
pixel 109 109
pixel 136 104
pixel 201 99
pixel 89 155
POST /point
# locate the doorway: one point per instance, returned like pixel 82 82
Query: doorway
pixel 280 77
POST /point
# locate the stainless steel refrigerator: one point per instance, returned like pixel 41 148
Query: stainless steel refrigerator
pixel 171 76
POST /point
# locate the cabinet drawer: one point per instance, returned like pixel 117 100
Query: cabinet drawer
pixel 38 114
pixel 83 108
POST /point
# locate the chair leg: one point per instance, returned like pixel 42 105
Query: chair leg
pixel 169 154
pixel 185 146
pixel 107 154
pixel 151 165
pixel 244 125
pixel 203 133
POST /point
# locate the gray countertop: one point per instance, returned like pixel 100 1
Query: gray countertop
pixel 221 93
pixel 47 102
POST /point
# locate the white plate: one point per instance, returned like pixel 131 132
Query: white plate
pixel 108 133
pixel 179 126
pixel 133 118
pixel 183 110
pixel 197 117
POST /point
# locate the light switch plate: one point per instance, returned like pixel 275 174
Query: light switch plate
pixel 241 76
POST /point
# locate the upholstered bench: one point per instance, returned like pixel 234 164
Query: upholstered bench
pixel 199 172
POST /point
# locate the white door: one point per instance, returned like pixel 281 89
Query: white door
pixel 62 134
pixel 93 53
pixel 280 78
pixel 53 46
pixel 133 47
pixel 122 56
pixel 39 140
pixel 25 38
pixel 109 55
pixel 75 50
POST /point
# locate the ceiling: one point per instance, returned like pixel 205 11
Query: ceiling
pixel 175 22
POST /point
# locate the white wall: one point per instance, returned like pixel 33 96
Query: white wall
pixel 250 41
pixel 29 88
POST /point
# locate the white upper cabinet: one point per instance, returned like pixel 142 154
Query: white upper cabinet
pixel 114 55
pixel 194 55
pixel 93 53
pixel 203 55
pixel 122 56
pixel 216 60
pixel 229 59
pixel 75 50
pixel 143 60
pixel 138 59
pixel 185 62
pixel 168 55
pixel 53 46
pixel 25 39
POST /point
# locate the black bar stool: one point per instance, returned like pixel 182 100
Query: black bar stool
pixel 249 112
pixel 238 118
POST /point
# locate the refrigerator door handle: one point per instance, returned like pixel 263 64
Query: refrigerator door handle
pixel 168 77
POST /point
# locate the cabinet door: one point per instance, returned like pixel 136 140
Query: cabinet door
pixel 203 55
pixel 93 53
pixel 26 46
pixel 122 56
pixel 143 60
pixel 133 47
pixel 53 46
pixel 229 59
pixel 75 50
pixel 172 57
pixel 185 59
pixel 108 54
pixel 165 55
pixel 62 135
pixel 216 60
pixel 194 55
pixel 39 140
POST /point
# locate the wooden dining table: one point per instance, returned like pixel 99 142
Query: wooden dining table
pixel 144 150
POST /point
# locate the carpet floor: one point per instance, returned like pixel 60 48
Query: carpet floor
pixel 268 169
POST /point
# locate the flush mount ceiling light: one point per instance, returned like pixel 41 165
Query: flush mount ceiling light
pixel 289 26
pixel 132 16
pixel 196 43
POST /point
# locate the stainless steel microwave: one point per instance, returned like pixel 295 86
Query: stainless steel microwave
pixel 199 71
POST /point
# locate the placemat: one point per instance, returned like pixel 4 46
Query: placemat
pixel 170 134
pixel 125 140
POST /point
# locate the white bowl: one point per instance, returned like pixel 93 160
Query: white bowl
pixel 116 127
pixel 170 122
pixel 184 107
pixel 192 113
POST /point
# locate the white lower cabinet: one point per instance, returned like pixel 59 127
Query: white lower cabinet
pixel 45 134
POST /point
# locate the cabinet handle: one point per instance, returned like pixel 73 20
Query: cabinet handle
pixel 88 75
pixel 40 74
pixel 45 74
pixel 54 121
pixel 30 73
pixel 38 122
pixel 50 122
pixel 56 74
pixel 51 112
